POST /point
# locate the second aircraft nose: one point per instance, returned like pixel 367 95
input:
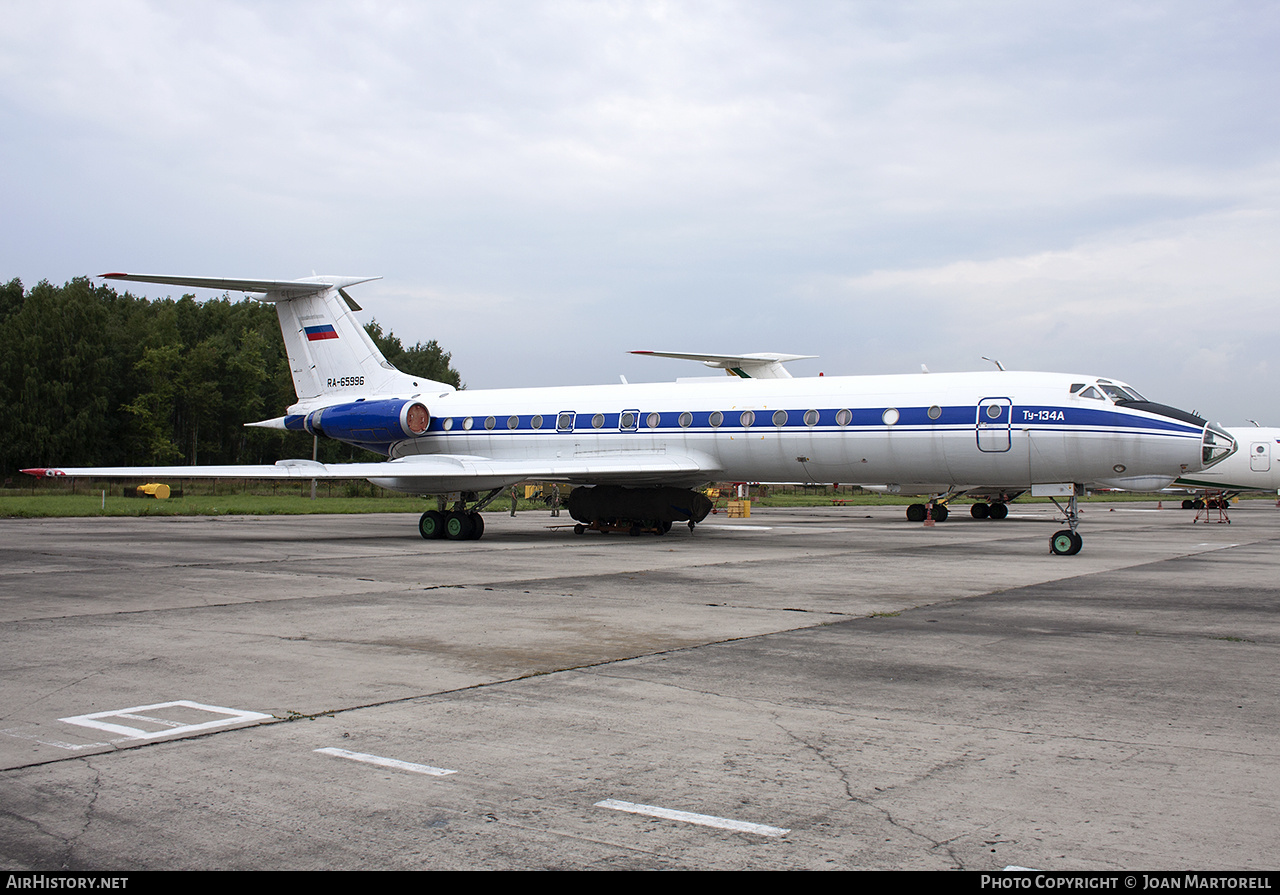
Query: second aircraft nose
pixel 1216 445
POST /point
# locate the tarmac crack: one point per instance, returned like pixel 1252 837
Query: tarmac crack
pixel 44 696
pixel 95 786
pixel 888 815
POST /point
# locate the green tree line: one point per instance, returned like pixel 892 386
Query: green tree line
pixel 93 377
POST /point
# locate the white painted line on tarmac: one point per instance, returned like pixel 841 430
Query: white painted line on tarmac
pixel 705 820
pixel 387 762
pixel 13 732
pixel 226 717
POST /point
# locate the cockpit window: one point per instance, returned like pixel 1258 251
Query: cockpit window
pixel 1091 392
pixel 1076 386
pixel 1116 393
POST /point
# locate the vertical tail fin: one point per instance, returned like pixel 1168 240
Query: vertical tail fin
pixel 329 351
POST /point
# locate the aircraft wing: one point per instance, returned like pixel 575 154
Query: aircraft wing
pixel 435 473
pixel 744 366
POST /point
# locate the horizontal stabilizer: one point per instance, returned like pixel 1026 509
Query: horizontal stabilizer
pixel 745 366
pixel 282 288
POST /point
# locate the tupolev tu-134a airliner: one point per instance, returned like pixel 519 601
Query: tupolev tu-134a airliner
pixel 636 452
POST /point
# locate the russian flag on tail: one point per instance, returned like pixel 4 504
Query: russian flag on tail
pixel 319 333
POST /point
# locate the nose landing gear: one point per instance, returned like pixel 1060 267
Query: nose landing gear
pixel 1067 542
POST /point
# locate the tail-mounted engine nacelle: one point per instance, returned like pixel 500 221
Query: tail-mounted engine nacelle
pixel 370 422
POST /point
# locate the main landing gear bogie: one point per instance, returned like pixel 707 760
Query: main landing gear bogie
pixel 918 512
pixel 996 511
pixel 456 525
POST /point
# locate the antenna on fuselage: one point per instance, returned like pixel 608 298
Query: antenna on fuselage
pixel 994 361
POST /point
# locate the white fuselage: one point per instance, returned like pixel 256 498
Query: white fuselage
pixel 1253 467
pixel 935 431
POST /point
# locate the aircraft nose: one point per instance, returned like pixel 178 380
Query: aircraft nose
pixel 1216 445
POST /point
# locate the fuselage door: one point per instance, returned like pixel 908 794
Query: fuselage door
pixel 629 421
pixel 564 421
pixel 995 417
pixel 1260 456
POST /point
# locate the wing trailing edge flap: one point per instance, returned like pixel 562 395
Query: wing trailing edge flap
pixel 614 467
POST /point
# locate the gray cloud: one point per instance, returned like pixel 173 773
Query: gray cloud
pixel 883 184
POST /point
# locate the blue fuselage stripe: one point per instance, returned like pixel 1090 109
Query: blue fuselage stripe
pixel 953 418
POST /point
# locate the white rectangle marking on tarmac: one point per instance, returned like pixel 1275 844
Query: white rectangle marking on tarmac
pixel 226 718
pixel 387 762
pixel 705 820
pixel 150 720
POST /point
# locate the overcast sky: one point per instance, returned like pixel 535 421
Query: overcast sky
pixel 1076 186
